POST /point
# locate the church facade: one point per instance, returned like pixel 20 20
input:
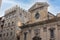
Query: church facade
pixel 42 26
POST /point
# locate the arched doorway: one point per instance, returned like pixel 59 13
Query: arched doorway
pixel 36 38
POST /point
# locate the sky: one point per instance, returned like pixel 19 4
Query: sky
pixel 54 5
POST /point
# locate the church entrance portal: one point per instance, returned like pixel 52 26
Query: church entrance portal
pixel 36 38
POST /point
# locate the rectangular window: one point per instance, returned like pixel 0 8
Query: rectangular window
pixel 12 23
pixel 51 33
pixel 11 33
pixel 7 34
pixel 0 35
pixel 37 31
pixel 2 26
pixel 25 36
pixel 8 24
pixel 44 29
pixel 4 34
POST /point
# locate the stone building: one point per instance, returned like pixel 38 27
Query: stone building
pixel 6 32
pixel 15 17
pixel 42 25
pixel 35 24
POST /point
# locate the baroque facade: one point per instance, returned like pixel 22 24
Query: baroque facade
pixel 43 24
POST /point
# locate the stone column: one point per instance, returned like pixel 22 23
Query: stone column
pixel 58 32
pixel 44 33
pixel 41 33
pixel 48 33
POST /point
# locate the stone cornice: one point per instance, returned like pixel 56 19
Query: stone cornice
pixel 41 23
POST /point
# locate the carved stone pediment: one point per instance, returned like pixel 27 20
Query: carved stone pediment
pixel 38 5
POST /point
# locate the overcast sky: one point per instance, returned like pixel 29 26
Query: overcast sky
pixel 26 4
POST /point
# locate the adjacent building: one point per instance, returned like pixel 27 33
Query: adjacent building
pixel 15 17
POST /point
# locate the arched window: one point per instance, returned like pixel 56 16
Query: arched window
pixel 8 24
pixel 12 23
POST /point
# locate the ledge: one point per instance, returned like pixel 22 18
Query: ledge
pixel 56 19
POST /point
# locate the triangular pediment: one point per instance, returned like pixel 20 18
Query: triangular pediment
pixel 38 5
